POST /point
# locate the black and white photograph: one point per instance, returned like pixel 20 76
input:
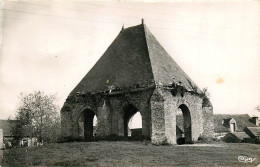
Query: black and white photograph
pixel 129 83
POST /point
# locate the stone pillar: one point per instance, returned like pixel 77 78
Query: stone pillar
pixel 121 127
pixel 170 121
pixel 146 119
pixel 117 122
pixel 208 122
pixel 158 118
pixel 1 139
pixel 67 125
pixel 104 122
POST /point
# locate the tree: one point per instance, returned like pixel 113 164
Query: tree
pixel 37 116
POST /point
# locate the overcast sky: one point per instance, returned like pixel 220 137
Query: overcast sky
pixel 51 45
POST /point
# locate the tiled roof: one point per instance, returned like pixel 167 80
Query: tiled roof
pixel 242 121
pixel 134 58
pixel 240 135
pixel 254 130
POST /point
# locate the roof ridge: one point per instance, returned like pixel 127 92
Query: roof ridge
pixel 144 26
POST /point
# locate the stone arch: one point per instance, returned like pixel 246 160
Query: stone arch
pixel 85 124
pixel 135 125
pixel 129 111
pixel 187 124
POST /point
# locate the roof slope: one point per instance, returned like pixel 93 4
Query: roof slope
pixel 165 70
pixel 235 137
pixel 242 121
pixel 240 135
pixel 254 130
pixel 135 57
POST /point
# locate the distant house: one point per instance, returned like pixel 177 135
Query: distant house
pixel 6 127
pixel 6 133
pixel 235 137
pixel 253 132
pixel 230 126
pixel 230 123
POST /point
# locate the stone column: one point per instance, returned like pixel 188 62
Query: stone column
pixel 1 138
pixel 170 120
pixel 67 125
pixel 117 122
pixel 157 118
pixel 104 123
pixel 146 118
pixel 208 122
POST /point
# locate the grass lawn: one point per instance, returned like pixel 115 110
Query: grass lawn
pixel 131 154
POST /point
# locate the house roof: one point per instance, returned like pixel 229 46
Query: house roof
pixel 242 121
pixel 240 135
pixel 254 130
pixel 5 125
pixel 134 58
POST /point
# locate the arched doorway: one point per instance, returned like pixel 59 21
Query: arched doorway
pixel 183 125
pixel 87 125
pixel 132 121
pixel 135 125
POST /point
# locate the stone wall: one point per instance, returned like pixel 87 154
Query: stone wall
pixel 157 107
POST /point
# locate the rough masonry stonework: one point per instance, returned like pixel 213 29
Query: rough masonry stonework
pixel 136 74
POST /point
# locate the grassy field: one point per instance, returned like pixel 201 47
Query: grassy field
pixel 131 154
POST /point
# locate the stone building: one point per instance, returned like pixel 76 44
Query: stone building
pixel 6 128
pixel 136 74
pixel 232 123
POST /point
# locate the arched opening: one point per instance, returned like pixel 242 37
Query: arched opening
pixel 132 122
pixel 87 125
pixel 135 125
pixel 183 125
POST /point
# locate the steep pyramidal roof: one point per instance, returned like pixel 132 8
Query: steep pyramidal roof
pixel 135 57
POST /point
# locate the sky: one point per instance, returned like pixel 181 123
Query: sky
pixel 50 45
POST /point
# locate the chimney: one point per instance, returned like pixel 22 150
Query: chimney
pixel 142 21
pixel 255 121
